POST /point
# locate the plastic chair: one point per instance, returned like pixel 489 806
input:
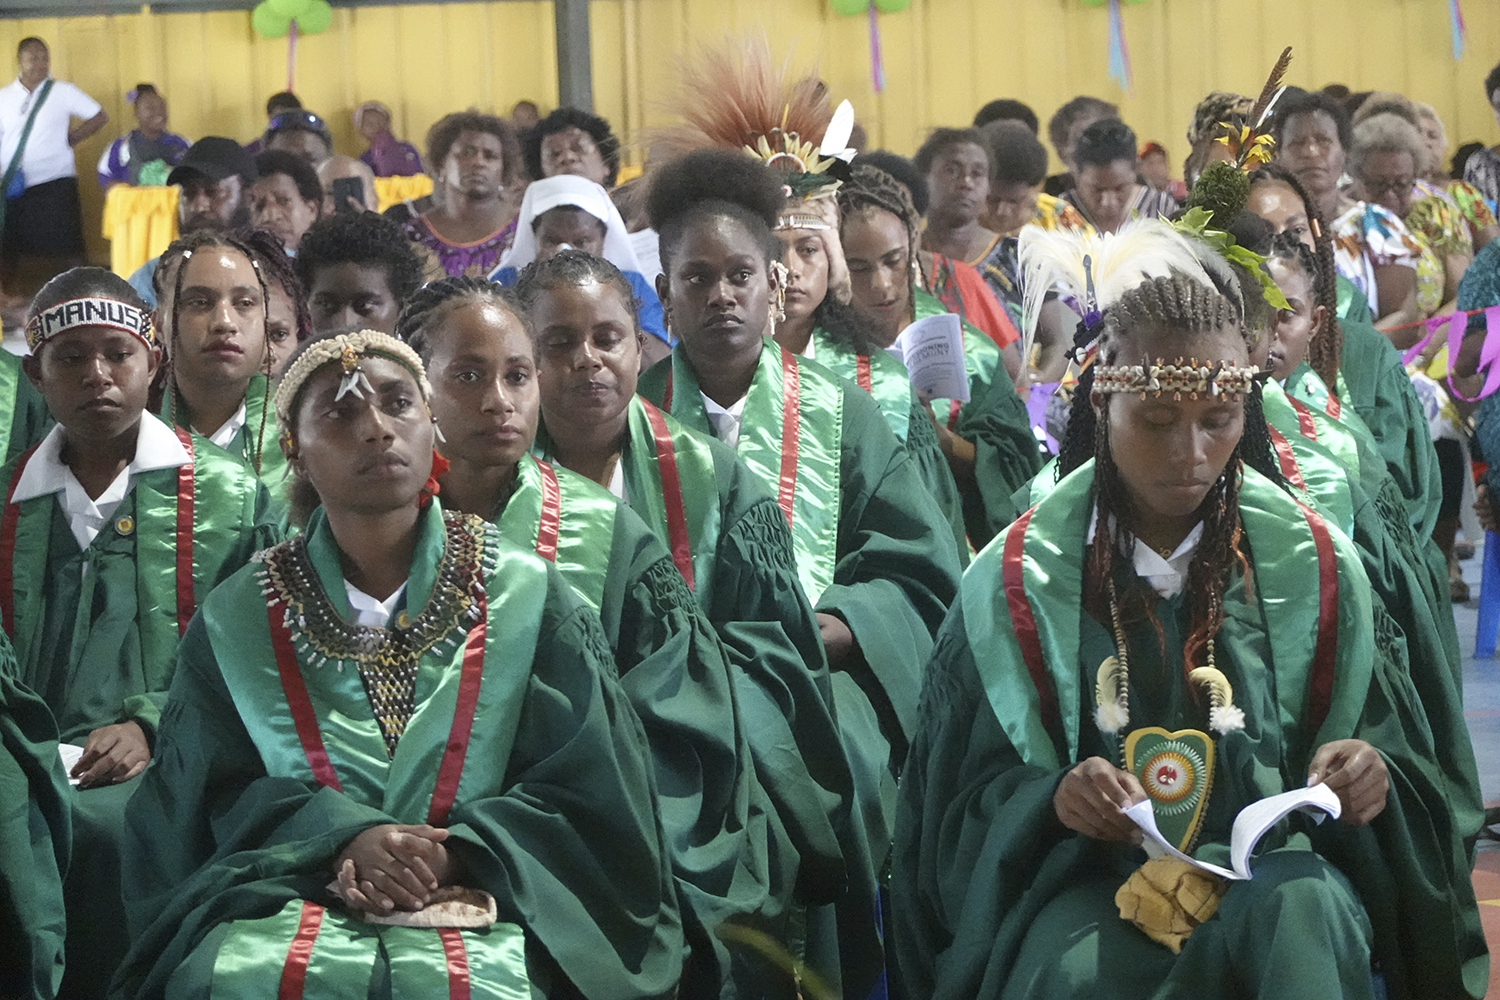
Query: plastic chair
pixel 1489 600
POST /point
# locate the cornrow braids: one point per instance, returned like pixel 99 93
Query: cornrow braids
pixel 276 266
pixel 872 188
pixel 1180 306
pixel 570 269
pixel 181 251
pixel 430 305
pixel 1327 344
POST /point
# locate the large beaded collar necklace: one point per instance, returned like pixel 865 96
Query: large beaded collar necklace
pixel 386 658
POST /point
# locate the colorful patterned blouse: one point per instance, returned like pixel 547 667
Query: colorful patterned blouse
pixel 1368 236
pixel 458 259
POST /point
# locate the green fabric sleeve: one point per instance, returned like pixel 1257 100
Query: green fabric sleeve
pixel 732 861
pixel 933 470
pixel 35 827
pixel 1006 457
pixel 895 575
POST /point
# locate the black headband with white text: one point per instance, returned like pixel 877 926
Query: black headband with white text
pixel 92 311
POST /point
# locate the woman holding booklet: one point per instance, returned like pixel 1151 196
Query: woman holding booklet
pixel 1168 625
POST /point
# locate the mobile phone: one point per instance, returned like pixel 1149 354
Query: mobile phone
pixel 348 194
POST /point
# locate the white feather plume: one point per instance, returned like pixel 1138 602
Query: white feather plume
pixel 1141 249
pixel 836 139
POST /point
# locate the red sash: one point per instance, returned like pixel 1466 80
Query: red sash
pixel 671 488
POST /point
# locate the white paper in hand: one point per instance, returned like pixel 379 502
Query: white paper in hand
pixel 1249 826
pixel 70 755
pixel 933 351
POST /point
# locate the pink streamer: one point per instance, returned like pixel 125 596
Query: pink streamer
pixel 1119 51
pixel 877 66
pixel 1489 352
pixel 291 58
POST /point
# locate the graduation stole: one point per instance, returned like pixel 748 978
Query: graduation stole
pixel 791 436
pixel 164 527
pixel 1021 598
pixel 981 358
pixel 480 616
pixel 1309 397
pixel 10 382
pixel 567 519
pixel 879 374
pixel 1309 467
pixel 243 446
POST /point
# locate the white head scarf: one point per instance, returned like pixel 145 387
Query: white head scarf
pixel 578 192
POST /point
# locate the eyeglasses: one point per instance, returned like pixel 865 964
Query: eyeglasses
pixel 1379 187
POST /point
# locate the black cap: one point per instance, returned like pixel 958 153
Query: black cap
pixel 298 120
pixel 216 158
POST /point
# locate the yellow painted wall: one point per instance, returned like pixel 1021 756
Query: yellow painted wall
pixel 943 59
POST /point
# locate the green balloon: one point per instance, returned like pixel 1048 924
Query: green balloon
pixel 289 9
pixel 318 17
pixel 267 22
pixel 849 7
pixel 1093 3
pixel 891 6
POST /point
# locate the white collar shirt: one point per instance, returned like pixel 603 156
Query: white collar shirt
pixel 1166 576
pixel 156 447
pixel 726 421
pixel 48 157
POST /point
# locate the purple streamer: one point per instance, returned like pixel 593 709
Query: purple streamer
pixel 1460 30
pixel 1489 352
pixel 1119 51
pixel 877 65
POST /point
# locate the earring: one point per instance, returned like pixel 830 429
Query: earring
pixel 781 273
pixel 438 431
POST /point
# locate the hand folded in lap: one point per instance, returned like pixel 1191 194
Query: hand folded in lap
pixel 838 640
pixel 1355 772
pixel 392 867
pixel 1092 797
pixel 112 754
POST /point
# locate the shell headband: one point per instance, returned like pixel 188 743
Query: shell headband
pixel 347 349
pixel 1211 379
pixel 93 310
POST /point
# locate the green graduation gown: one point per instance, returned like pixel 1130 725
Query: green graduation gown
pixel 1373 381
pixel 35 839
pixel 1411 584
pixel 993 897
pixel 730 853
pixel 257 444
pixel 732 546
pixel 96 631
pixel 871 549
pixel 24 417
pixel 519 743
pixel 887 382
pixel 995 422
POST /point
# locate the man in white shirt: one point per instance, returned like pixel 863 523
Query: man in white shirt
pixel 43 233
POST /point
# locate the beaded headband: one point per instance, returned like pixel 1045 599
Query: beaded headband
pixel 92 310
pixel 347 349
pixel 1213 379
pixel 800 220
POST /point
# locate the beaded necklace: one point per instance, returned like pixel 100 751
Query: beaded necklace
pixel 387 658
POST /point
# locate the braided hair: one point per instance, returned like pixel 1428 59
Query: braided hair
pixel 1181 307
pixel 276 268
pixel 570 269
pixel 872 189
pixel 426 309
pixel 175 258
pixel 1327 344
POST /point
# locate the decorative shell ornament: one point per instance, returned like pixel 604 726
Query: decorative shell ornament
pixel 1223 715
pixel 1112 697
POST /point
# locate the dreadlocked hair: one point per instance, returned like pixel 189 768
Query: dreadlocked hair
pixel 714 183
pixel 870 187
pixel 276 267
pixel 1327 343
pixel 425 310
pixel 1188 309
pixel 176 256
pixel 571 269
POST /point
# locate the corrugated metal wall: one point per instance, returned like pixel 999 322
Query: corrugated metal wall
pixel 943 58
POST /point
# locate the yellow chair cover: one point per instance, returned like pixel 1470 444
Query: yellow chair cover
pixel 394 190
pixel 139 223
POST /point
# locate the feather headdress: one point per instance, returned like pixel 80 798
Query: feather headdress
pixel 1098 269
pixel 734 97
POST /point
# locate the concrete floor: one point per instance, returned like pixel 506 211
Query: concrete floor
pixel 1482 710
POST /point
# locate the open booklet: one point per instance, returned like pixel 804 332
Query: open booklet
pixel 1249 826
pixel 933 351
